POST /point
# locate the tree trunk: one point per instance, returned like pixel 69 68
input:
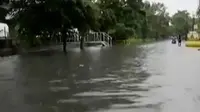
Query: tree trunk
pixel 64 44
pixel 156 36
pixel 144 28
pixel 82 43
pixel 64 38
pixel 82 35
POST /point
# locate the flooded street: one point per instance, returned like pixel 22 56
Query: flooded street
pixel 158 77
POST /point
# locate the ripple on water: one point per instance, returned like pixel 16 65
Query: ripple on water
pixel 55 81
pixel 128 110
pixel 135 105
pixel 111 75
pixel 129 80
pixel 68 101
pixel 115 91
pixel 57 89
pixel 101 79
pixel 95 80
pixel 82 82
pixel 104 94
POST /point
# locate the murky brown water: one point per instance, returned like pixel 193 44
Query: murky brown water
pixel 158 77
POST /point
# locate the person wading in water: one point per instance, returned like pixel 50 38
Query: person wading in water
pixel 179 40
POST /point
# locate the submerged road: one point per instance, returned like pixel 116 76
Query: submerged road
pixel 158 77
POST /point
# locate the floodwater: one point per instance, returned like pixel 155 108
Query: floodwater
pixel 158 77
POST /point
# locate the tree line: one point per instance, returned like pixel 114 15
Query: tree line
pixel 122 19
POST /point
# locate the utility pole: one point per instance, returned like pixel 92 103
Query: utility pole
pixel 199 4
pixel 193 22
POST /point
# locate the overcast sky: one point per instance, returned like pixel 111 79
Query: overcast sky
pixel 174 5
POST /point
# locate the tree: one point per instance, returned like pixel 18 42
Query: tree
pixel 122 19
pixel 157 20
pixel 3 10
pixel 182 22
pixel 33 17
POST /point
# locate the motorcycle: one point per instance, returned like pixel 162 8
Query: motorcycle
pixel 173 41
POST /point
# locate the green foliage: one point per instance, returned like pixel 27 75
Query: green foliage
pixel 181 22
pixel 157 20
pixel 122 19
pixel 198 25
pixel 45 18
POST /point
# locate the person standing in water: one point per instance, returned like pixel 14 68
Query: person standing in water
pixel 179 40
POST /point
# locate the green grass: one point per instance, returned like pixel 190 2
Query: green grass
pixel 133 41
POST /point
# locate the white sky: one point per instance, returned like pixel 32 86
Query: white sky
pixel 174 5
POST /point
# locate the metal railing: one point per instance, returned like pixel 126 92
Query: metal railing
pixel 90 37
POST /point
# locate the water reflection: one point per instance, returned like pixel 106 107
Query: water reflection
pixel 91 80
